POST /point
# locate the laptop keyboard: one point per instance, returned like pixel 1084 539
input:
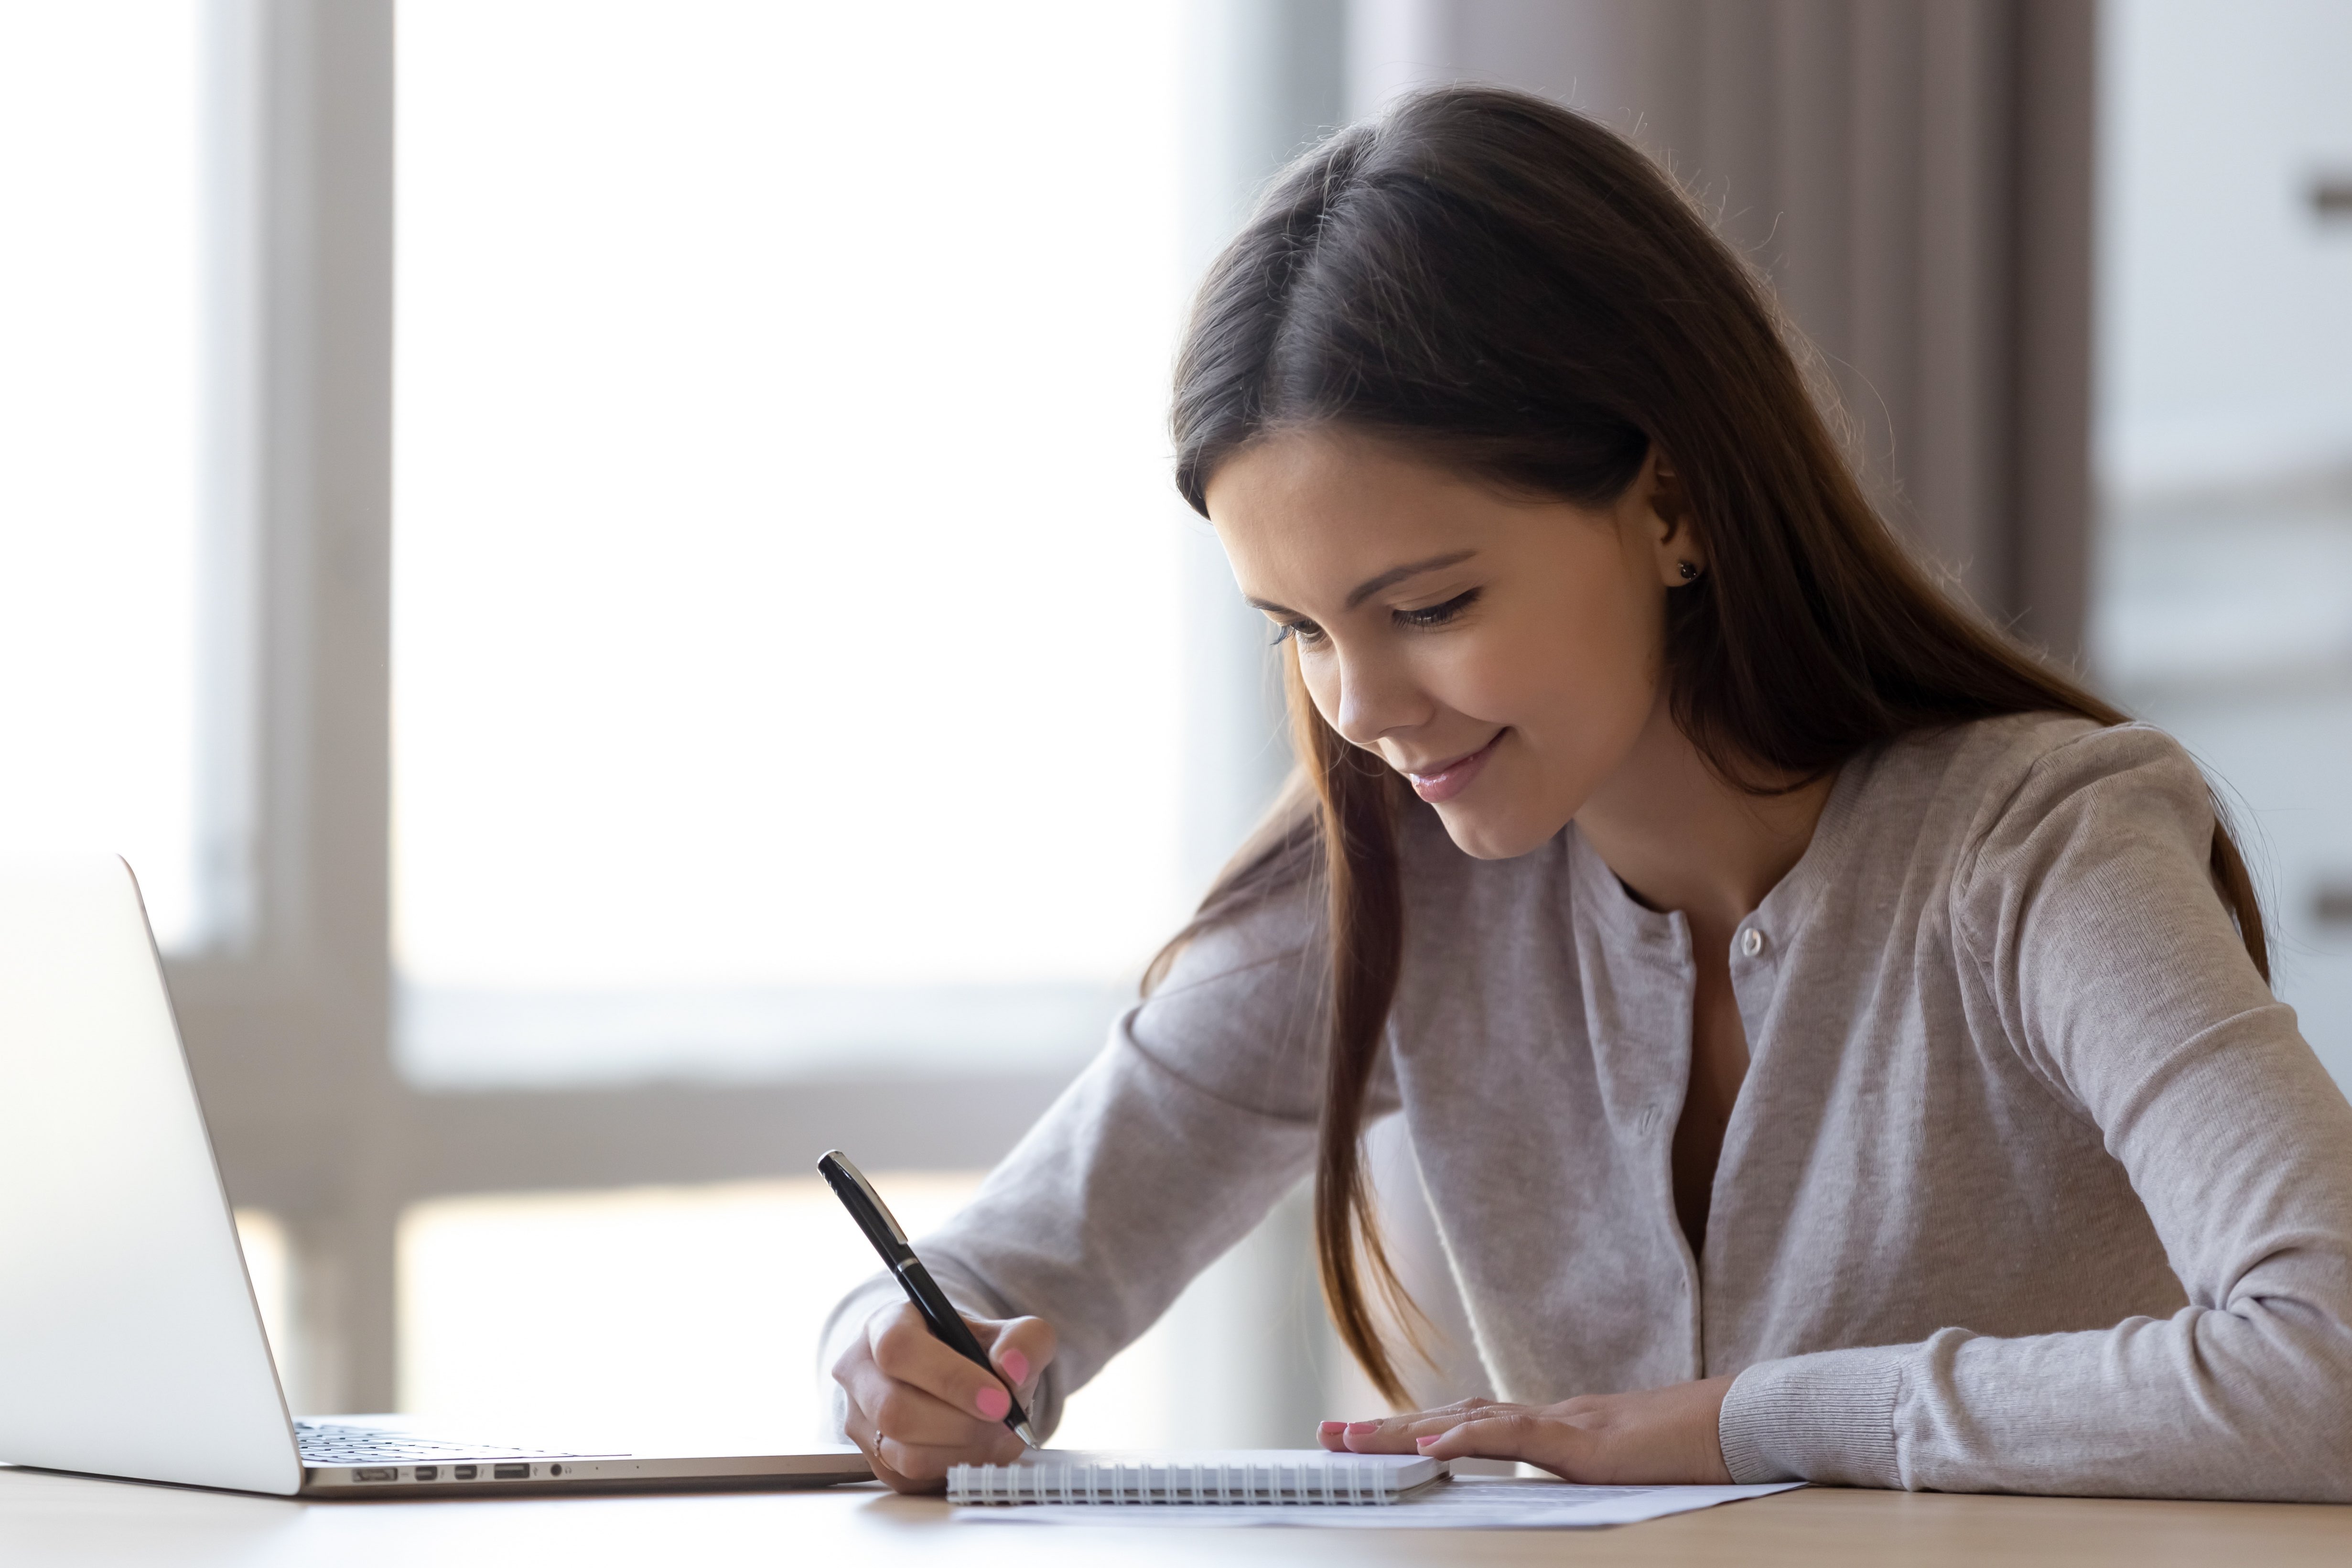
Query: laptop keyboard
pixel 327 1442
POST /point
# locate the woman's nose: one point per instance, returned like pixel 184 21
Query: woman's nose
pixel 1377 697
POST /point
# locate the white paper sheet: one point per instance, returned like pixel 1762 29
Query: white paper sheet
pixel 1465 1502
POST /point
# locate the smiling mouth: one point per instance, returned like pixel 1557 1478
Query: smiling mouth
pixel 1444 781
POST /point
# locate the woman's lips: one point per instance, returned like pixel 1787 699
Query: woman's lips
pixel 1447 780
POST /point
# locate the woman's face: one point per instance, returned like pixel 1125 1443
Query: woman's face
pixel 1503 653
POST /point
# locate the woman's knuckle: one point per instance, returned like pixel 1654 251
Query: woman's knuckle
pixel 898 1352
pixel 893 1415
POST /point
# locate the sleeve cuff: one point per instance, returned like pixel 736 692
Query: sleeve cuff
pixel 1827 1417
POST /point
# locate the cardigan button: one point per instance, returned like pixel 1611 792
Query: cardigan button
pixel 1751 942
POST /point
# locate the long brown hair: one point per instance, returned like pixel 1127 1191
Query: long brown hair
pixel 1515 291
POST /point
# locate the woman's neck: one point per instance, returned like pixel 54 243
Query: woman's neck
pixel 1680 837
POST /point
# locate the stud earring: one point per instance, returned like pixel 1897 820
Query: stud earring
pixel 1689 572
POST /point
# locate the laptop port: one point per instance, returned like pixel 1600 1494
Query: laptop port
pixel 376 1475
pixel 511 1472
pixel 428 1472
pixel 463 1472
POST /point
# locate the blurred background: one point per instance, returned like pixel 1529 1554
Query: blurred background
pixel 610 566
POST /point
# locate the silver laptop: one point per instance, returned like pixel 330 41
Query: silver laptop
pixel 130 1344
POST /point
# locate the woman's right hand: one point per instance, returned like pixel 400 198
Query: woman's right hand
pixel 916 1408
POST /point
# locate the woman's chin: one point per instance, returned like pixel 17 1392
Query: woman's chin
pixel 1492 835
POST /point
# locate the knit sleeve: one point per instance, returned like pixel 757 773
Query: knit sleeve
pixel 2091 925
pixel 1197 1115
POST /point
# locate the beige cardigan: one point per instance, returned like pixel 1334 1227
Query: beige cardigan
pixel 2031 1184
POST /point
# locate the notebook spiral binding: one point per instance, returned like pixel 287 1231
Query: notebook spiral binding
pixel 1160 1484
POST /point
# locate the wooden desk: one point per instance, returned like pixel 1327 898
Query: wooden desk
pixel 70 1523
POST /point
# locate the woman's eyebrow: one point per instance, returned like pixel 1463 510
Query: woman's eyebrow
pixel 1395 574
pixel 1388 579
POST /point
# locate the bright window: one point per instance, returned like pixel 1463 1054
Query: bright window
pixel 100 281
pixel 785 664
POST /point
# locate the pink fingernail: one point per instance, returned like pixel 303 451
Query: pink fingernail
pixel 993 1403
pixel 1016 1365
pixel 1329 1427
pixel 1425 1442
pixel 1355 1427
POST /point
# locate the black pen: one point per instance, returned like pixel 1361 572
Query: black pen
pixel 873 1216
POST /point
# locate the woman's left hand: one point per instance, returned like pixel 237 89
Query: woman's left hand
pixel 1659 1435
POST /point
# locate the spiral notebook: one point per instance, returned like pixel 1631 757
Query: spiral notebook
pixel 1459 1502
pixel 1276 1476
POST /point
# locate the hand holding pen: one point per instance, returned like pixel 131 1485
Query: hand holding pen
pixel 923 1392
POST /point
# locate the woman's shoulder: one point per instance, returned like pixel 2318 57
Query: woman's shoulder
pixel 1238 1011
pixel 2015 784
pixel 1274 933
pixel 1995 761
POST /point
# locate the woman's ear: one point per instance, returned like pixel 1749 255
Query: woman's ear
pixel 1681 561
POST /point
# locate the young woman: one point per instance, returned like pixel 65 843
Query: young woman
pixel 1835 1043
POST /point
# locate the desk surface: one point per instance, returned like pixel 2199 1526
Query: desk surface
pixel 66 1521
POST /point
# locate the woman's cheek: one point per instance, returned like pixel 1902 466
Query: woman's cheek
pixel 1601 687
pixel 1489 681
pixel 1525 693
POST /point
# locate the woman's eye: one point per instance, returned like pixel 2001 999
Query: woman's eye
pixel 1307 632
pixel 1438 614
